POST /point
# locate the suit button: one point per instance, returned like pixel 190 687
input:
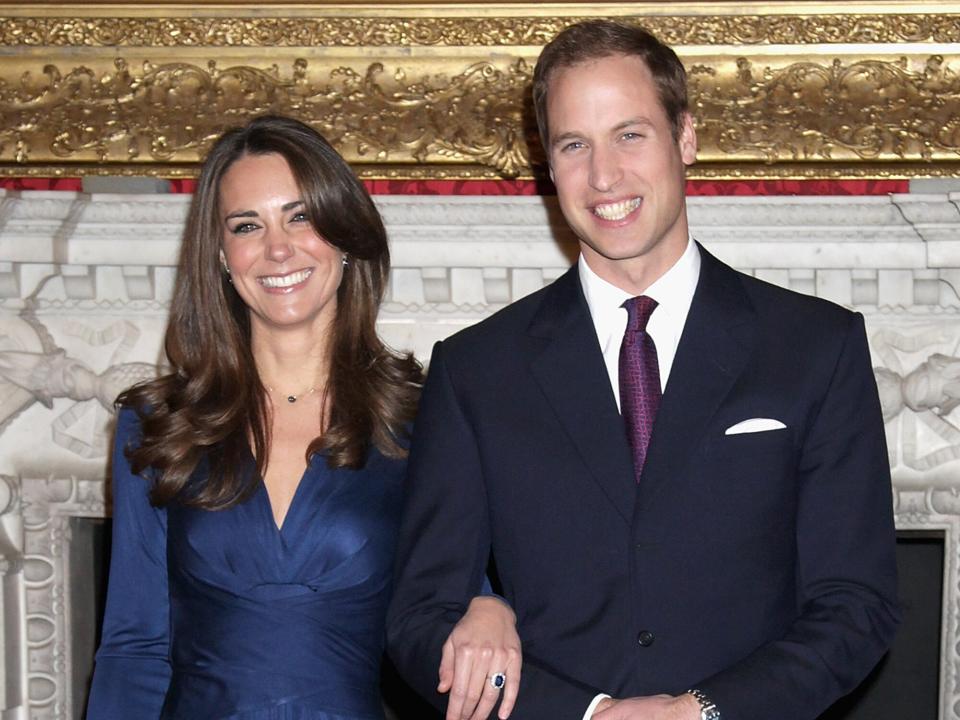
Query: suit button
pixel 645 638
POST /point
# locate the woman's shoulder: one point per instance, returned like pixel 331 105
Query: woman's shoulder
pixel 128 433
pixel 128 423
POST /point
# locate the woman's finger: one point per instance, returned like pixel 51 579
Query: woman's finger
pixel 491 689
pixel 478 678
pixel 463 666
pixel 446 667
pixel 511 689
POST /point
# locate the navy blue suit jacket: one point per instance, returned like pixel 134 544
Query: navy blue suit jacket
pixel 757 567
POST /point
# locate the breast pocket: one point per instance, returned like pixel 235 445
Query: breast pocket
pixel 745 487
pixel 751 444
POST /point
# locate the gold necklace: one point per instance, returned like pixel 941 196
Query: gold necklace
pixel 293 398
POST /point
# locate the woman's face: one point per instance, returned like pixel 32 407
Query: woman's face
pixel 282 269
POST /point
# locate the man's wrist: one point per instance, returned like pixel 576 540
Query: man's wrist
pixel 600 702
pixel 705 707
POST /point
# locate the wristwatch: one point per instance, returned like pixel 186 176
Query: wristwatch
pixel 708 711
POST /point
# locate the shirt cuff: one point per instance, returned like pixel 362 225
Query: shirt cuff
pixel 593 705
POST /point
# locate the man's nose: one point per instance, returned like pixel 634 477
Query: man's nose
pixel 605 170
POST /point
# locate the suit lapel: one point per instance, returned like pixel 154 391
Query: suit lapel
pixel 715 346
pixel 570 370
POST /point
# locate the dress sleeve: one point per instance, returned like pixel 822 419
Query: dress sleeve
pixel 133 663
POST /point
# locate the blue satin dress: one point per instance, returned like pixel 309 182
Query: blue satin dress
pixel 221 615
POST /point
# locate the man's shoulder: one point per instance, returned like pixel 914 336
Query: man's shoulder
pixel 507 323
pixel 791 308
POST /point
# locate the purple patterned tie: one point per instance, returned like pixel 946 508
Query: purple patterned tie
pixel 639 379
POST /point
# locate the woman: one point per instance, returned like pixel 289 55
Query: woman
pixel 257 486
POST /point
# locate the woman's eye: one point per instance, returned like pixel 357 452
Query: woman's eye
pixel 299 217
pixel 243 228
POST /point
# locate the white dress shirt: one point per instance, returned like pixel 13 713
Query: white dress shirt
pixel 673 292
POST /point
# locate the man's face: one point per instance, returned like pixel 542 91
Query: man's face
pixel 618 170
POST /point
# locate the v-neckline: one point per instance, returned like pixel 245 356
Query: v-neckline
pixel 268 502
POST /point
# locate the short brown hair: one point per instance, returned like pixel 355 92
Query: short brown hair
pixel 595 39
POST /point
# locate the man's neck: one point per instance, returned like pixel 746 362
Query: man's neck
pixel 634 275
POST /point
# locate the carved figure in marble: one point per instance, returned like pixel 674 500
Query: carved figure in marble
pixel 33 368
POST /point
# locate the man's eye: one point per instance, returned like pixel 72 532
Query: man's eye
pixel 571 146
pixel 631 136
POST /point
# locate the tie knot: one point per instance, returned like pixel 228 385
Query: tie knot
pixel 639 309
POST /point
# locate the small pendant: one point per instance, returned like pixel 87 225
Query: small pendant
pixel 291 398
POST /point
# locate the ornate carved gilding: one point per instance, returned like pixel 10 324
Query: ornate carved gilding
pixel 783 90
pixel 364 30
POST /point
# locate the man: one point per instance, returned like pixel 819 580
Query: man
pixel 721 547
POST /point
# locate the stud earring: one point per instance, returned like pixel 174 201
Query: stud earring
pixel 345 261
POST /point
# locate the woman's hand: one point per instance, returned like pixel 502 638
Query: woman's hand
pixel 482 644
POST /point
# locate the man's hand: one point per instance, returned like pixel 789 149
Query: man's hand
pixel 655 707
pixel 484 642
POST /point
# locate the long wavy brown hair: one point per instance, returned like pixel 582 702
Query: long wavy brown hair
pixel 213 408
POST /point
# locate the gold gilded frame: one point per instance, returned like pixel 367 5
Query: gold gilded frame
pixel 421 90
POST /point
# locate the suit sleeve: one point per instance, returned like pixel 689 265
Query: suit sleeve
pixel 132 664
pixel 846 572
pixel 443 552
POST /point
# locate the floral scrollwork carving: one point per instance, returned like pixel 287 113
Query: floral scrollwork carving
pixel 811 111
pixel 410 114
pixel 524 29
pixel 476 116
pixel 173 111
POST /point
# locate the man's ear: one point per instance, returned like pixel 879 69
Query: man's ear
pixel 687 140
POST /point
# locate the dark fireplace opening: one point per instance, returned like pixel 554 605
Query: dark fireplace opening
pixel 904 684
pixel 89 563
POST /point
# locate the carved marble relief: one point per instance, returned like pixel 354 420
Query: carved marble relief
pixel 85 282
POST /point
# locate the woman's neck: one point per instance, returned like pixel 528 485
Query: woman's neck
pixel 291 363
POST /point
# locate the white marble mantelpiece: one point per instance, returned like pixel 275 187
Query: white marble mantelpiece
pixel 85 282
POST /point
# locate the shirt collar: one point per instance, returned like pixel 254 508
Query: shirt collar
pixel 673 290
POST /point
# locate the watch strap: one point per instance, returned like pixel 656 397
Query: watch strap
pixel 708 710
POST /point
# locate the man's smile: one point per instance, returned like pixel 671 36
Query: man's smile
pixel 617 210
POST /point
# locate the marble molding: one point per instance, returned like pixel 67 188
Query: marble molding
pixel 85 282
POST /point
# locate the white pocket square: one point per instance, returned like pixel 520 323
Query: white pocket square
pixel 754 425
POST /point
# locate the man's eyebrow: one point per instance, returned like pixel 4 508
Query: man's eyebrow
pixel 557 139
pixel 630 122
pixel 633 121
